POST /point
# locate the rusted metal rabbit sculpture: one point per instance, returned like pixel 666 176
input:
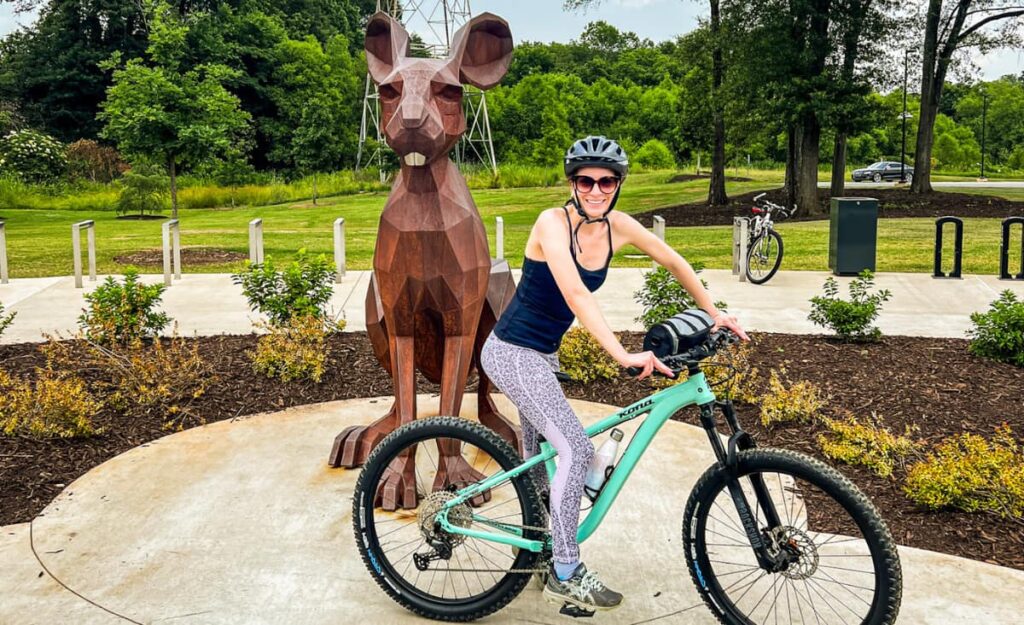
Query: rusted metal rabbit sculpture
pixel 435 293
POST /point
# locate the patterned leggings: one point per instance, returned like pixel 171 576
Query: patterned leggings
pixel 527 378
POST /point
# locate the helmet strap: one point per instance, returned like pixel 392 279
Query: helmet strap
pixel 587 219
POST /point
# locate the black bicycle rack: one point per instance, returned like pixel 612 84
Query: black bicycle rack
pixel 958 249
pixel 1004 250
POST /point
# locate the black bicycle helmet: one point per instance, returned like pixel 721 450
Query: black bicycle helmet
pixel 594 151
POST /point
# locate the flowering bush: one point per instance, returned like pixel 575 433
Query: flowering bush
pixel 32 156
pixel 583 359
pixel 867 443
pixel 51 407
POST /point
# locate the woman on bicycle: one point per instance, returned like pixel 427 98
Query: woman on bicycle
pixel 556 286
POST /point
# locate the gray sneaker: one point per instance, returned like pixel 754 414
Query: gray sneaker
pixel 582 590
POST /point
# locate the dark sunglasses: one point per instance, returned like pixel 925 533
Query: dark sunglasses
pixel 606 184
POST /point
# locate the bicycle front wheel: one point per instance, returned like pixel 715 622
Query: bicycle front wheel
pixel 406 481
pixel 843 566
pixel 764 257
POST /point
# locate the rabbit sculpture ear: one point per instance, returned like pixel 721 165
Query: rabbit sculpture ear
pixel 387 42
pixel 482 50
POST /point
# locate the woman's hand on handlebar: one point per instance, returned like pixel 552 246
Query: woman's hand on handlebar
pixel 725 320
pixel 643 364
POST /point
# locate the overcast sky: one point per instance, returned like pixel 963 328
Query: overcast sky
pixel 544 20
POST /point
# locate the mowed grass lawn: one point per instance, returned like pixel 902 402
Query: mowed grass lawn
pixel 39 241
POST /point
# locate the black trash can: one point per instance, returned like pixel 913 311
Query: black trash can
pixel 853 233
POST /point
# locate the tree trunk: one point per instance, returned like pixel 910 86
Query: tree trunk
pixel 716 190
pixel 922 182
pixel 174 187
pixel 838 186
pixel 792 147
pixel 314 188
pixel 807 167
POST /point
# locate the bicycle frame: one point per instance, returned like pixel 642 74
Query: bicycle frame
pixel 659 408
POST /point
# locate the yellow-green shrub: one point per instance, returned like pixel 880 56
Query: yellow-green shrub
pixel 142 378
pixel 294 350
pixel 731 374
pixel 583 358
pixel 800 402
pixel 52 407
pixel 970 473
pixel 867 444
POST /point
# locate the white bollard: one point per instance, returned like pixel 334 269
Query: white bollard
pixel 499 238
pixel 740 239
pixel 659 231
pixel 76 248
pixel 172 250
pixel 3 253
pixel 256 241
pixel 339 249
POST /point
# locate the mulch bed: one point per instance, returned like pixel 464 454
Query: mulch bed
pixel 931 383
pixel 892 203
pixel 189 256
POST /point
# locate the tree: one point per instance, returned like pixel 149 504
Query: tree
pixel 317 94
pixel 950 27
pixel 160 108
pixel 52 69
pixel 600 36
pixel 867 23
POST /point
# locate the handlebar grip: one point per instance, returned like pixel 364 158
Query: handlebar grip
pixel 633 371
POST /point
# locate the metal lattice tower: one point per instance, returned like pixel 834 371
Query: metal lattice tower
pixel 431 25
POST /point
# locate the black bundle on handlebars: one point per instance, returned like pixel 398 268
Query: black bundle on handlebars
pixel 685 339
pixel 678 333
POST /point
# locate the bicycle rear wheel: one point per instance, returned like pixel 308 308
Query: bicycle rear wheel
pixel 845 568
pixel 406 480
pixel 764 257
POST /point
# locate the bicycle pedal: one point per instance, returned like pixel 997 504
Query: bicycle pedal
pixel 575 611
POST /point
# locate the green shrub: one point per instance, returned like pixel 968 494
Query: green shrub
pixel 970 473
pixel 662 296
pixel 123 313
pixel 143 190
pixel 52 407
pixel 850 320
pixel 799 402
pixel 296 350
pixel 32 156
pixel 654 155
pixel 302 289
pixel 867 444
pixel 583 359
pixel 999 333
pixel 5 321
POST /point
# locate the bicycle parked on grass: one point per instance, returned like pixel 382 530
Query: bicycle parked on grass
pixel 764 246
pixel 764 530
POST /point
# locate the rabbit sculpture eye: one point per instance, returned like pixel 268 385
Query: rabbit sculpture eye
pixel 435 293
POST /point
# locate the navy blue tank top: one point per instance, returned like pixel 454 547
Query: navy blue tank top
pixel 538 315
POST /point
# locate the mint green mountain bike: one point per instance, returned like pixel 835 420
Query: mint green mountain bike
pixel 769 536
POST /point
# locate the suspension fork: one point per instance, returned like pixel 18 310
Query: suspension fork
pixel 769 559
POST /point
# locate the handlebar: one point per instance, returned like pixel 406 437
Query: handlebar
pixel 723 337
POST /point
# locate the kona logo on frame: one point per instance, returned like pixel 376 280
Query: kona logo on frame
pixel 638 407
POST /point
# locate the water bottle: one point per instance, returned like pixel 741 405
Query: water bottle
pixel 601 465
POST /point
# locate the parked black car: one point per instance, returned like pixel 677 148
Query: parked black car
pixel 883 170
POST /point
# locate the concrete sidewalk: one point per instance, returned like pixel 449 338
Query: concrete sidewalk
pixel 241 522
pixel 207 304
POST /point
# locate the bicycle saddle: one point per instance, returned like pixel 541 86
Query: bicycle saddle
pixel 679 333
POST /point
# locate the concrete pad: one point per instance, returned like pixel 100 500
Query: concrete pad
pixel 242 521
pixel 209 304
